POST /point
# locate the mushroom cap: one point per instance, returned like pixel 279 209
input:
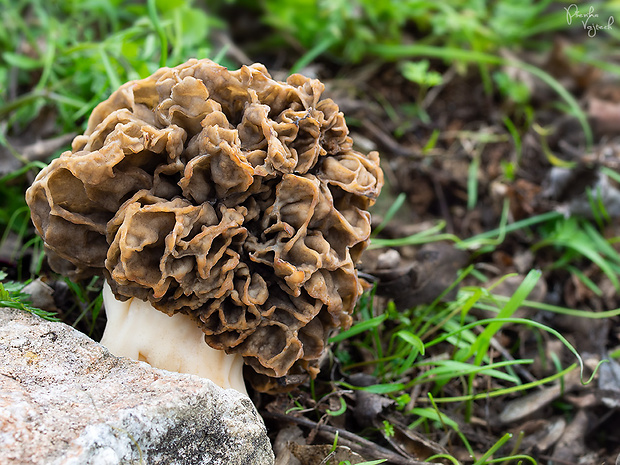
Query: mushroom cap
pixel 225 195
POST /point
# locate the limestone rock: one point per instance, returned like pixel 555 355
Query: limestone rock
pixel 65 400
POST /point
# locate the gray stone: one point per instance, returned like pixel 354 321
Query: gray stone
pixel 64 399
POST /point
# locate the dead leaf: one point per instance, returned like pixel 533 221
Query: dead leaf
pixel 523 406
pixel 282 448
pixel 422 281
pixel 572 188
pixel 565 184
pixel 30 151
pixel 369 407
pixel 523 197
pixel 541 434
pixel 604 116
pixel 588 400
pixel 609 383
pixel 410 443
pixel 41 295
pixel 571 446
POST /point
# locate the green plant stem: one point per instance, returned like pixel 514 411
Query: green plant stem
pixel 505 391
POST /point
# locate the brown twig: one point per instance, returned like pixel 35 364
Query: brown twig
pixel 356 443
pixel 443 205
pixel 42 149
pixel 233 50
pixel 385 139
pixel 558 461
pixel 518 368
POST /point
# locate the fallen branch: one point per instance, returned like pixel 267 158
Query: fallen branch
pixel 364 447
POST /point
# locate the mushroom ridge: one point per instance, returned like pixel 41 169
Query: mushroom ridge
pixel 224 195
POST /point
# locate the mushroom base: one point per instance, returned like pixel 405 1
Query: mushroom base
pixel 135 329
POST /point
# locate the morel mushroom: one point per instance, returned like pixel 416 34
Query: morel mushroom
pixel 227 200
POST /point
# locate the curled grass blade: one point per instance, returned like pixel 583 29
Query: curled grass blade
pixel 414 341
pixel 523 321
pixel 340 411
pixel 505 391
pixel 442 456
pixel 513 458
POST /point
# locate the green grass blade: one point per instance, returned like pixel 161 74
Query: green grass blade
pixel 411 339
pixel 359 328
pixel 516 321
pixel 387 388
pixel 396 205
pixel 472 182
pixel 559 310
pixel 483 460
pixel 314 52
pixel 115 80
pixel 163 40
pixel 506 391
pixel 480 347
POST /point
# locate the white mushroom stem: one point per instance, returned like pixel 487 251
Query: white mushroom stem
pixel 135 329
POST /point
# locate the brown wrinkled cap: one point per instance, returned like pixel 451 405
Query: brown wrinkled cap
pixel 224 195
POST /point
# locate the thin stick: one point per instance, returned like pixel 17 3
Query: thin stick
pixel 356 443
